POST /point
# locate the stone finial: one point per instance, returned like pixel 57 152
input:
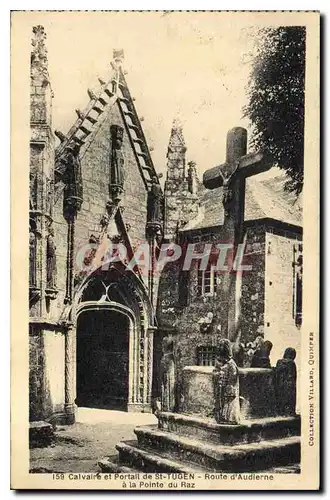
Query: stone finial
pixel 192 177
pixel 176 138
pixel 60 135
pixel 177 123
pixel 80 114
pixel 91 94
pixel 39 61
pixel 118 57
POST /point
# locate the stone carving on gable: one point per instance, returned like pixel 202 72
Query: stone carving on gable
pixel 72 178
pixel 116 184
pixel 51 267
pixel 155 202
pixel 33 258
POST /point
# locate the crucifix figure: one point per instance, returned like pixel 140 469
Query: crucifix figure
pixel 231 177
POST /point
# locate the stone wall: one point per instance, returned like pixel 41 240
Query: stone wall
pixel 185 319
pixel 253 285
pixel 280 325
pixel 46 375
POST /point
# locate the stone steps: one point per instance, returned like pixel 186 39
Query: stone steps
pixel 247 432
pixel 186 443
pixel 111 464
pixel 238 458
pixel 151 460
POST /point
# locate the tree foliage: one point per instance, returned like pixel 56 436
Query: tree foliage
pixel 276 93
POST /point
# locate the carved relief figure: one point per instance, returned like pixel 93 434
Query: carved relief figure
pixel 73 190
pixel 226 386
pixel 155 202
pixel 285 382
pixel 167 375
pixel 227 198
pixel 33 258
pixel 51 260
pixel 116 162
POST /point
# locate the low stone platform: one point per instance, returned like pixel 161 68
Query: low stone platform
pixel 247 432
pixel 184 443
pixel 41 434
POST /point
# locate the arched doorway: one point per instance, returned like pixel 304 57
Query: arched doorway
pixel 103 358
pixel 114 342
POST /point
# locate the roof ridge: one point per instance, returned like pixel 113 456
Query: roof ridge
pixel 147 170
pixel 83 130
pixel 85 121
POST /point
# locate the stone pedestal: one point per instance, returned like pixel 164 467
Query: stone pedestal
pixel 41 434
pixel 257 392
pixel 191 441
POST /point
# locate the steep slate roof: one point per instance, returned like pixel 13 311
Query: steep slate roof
pixel 264 198
pixel 113 92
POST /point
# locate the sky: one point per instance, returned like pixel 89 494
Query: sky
pixel 191 66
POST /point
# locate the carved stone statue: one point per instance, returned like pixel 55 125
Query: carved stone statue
pixel 285 383
pixel 167 375
pixel 155 201
pixel 116 163
pixel 72 178
pixel 226 386
pixel 51 260
pixel 33 258
pixel 261 356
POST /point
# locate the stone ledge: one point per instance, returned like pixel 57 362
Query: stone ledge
pixel 151 461
pixel 111 464
pixel 41 434
pixel 246 432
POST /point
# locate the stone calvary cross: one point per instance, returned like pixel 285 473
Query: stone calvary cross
pixel 231 176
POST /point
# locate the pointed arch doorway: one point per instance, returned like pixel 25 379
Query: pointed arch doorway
pixel 114 342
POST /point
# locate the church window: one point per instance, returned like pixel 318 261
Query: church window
pixel 297 284
pixel 206 355
pixel 207 281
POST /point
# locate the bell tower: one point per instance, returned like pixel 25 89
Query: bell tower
pixel 181 185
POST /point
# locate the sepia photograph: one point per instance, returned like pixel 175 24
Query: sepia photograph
pixel 171 330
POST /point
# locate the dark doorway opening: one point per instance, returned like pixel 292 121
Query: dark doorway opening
pixel 102 359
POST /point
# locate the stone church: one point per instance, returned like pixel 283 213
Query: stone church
pixel 96 330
